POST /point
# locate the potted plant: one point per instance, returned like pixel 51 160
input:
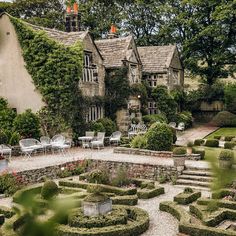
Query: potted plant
pixel 226 159
pixel 189 147
pixel 179 155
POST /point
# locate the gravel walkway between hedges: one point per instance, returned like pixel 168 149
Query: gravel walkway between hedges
pixel 162 223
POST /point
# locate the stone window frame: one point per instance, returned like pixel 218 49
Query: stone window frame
pixel 90 70
pixel 134 78
pixel 94 113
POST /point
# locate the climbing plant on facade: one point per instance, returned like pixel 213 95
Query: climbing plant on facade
pixel 55 69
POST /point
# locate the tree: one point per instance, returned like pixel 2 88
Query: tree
pixel 39 12
pixel 206 33
pixel 5 6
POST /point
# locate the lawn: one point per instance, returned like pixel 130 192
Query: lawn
pixel 222 132
pixel 213 152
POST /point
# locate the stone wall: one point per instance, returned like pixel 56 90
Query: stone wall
pixel 144 152
pixel 145 171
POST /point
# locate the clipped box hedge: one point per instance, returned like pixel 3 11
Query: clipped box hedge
pixel 212 143
pixel 137 226
pixel 104 188
pixel 2 219
pixel 7 212
pixel 129 200
pixel 186 198
pixel 220 203
pixel 150 193
pixel 221 193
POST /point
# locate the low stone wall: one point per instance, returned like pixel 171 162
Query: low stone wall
pixel 145 152
pixel 145 171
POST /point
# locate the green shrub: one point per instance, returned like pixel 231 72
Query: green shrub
pixel 14 139
pixel 188 190
pixel 159 137
pixel 27 125
pixel 198 151
pixel 212 143
pixel 174 132
pixel 121 178
pixel 151 119
pixel 97 127
pixel 229 138
pixel 179 151
pixel 129 200
pixel 229 145
pixel 162 179
pixel 49 190
pixel 187 197
pixel 229 97
pixel 10 183
pixel 3 137
pixel 199 142
pixel 185 117
pixel 217 137
pixel 99 176
pixel 226 155
pixel 224 119
pixel 139 141
pixel 212 206
pixel 109 125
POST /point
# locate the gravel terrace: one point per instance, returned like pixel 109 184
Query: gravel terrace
pixel 39 161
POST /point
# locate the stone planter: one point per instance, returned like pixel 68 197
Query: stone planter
pixel 97 208
pixel 179 161
pixel 189 150
pixel 225 164
pixel 3 165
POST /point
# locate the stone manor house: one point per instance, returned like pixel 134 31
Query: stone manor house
pixel 156 64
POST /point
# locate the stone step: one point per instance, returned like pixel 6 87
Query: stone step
pixel 196 178
pixel 199 188
pixel 197 173
pixel 192 183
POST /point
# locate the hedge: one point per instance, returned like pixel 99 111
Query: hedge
pixel 104 188
pixel 2 219
pixel 199 142
pixel 24 192
pixel 150 193
pixel 7 212
pixel 221 193
pixel 229 138
pixel 178 212
pixel 130 200
pixel 229 145
pixel 220 203
pixel 137 226
pixel 198 151
pixel 186 198
pixel 212 143
pixel 116 217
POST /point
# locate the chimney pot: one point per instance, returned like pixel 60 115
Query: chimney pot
pixel 76 7
pixel 113 29
pixel 68 9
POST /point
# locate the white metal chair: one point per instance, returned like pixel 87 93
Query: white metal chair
pixel 59 142
pixel 5 150
pixel 115 137
pixel 29 145
pixel 181 126
pixel 172 124
pixel 132 131
pixel 99 140
pixel 46 143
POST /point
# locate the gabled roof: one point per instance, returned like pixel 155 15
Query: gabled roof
pixel 61 36
pixel 115 50
pixel 156 59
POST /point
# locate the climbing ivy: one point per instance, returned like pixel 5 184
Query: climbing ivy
pixel 55 69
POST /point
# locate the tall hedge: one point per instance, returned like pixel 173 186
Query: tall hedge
pixel 159 137
pixel 55 69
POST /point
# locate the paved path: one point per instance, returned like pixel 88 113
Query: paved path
pixel 20 163
pixel 198 132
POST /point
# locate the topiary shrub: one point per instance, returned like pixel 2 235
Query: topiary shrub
pixel 99 176
pixel 97 127
pixel 224 119
pixel 229 138
pixel 226 155
pixel 188 190
pixel 27 125
pixel 49 190
pixel 212 143
pixel 151 119
pixel 185 117
pixel 139 141
pixel 159 137
pixel 217 137
pixel 229 145
pixel 179 151
pixel 109 125
pixel 198 151
pixel 199 142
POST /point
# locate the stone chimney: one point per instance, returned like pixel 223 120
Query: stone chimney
pixel 73 18
pixel 113 32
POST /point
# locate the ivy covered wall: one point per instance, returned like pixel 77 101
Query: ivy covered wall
pixel 55 69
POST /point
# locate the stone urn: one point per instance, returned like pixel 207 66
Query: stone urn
pixel 226 159
pixel 3 164
pixel 179 156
